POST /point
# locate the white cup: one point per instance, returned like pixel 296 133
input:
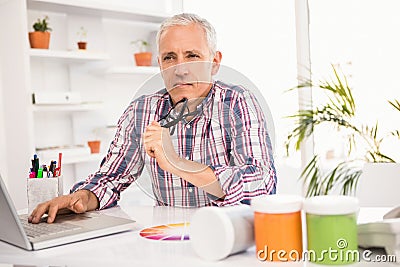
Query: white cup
pixel 43 189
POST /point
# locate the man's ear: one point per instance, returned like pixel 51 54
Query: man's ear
pixel 216 63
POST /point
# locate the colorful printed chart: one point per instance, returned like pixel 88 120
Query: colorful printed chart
pixel 167 232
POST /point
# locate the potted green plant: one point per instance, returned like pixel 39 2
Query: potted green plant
pixel 338 111
pixel 82 38
pixel 142 55
pixel 40 37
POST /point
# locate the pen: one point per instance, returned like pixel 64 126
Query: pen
pixel 54 168
pixel 51 168
pixel 59 163
pixel 35 164
pixel 45 173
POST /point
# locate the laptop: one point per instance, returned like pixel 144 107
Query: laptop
pixel 66 229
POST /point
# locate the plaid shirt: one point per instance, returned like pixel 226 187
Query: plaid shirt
pixel 228 134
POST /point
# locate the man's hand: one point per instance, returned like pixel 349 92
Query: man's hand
pixel 158 145
pixel 78 202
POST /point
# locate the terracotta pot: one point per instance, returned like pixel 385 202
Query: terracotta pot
pixel 143 59
pixel 82 45
pixel 94 146
pixel 39 40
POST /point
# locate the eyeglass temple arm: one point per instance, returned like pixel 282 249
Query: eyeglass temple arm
pixel 180 116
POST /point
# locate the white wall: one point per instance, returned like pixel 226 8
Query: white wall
pixel 366 44
pixel 21 129
pixel 3 154
pixel 258 39
pixel 15 102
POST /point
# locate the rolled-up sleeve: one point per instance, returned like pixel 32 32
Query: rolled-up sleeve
pixel 251 170
pixel 121 166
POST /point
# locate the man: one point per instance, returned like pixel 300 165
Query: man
pixel 203 142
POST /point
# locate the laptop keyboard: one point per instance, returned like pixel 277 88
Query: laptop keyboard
pixel 46 229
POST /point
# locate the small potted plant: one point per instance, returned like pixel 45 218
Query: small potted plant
pixel 95 142
pixel 82 41
pixel 94 146
pixel 40 37
pixel 142 56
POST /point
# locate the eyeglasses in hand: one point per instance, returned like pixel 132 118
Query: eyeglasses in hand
pixel 177 113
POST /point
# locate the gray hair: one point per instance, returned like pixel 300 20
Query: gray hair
pixel 185 19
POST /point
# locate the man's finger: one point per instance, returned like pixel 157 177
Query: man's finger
pixel 153 126
pixel 155 123
pixel 32 215
pixel 148 137
pixel 40 210
pixel 151 152
pixel 152 129
pixel 52 213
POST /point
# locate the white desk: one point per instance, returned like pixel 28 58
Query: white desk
pixel 130 249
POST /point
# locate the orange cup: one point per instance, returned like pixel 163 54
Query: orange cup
pixel 278 228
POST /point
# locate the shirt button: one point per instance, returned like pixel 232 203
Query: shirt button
pixel 188 126
pixel 190 190
pixel 188 157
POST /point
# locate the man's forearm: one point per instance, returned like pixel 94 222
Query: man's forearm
pixel 197 174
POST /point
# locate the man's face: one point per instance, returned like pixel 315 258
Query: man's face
pixel 185 62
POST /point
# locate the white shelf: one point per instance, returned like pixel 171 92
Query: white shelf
pixel 94 8
pixel 83 158
pixel 67 107
pixel 68 56
pixel 75 159
pixel 71 155
pixel 133 70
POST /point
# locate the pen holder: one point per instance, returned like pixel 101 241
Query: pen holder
pixel 43 189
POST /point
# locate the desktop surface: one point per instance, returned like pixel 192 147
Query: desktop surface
pixel 130 248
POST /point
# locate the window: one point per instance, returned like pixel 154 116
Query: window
pixel 363 38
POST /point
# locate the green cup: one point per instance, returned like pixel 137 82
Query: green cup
pixel 332 229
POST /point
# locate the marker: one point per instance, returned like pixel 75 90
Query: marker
pixel 54 169
pixel 40 173
pixel 52 166
pixel 45 174
pixel 35 164
pixel 36 160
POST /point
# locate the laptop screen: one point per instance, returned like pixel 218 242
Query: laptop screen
pixel 11 230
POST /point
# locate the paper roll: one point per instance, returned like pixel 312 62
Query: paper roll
pixel 217 232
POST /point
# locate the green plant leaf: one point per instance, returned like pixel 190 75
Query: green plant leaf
pixel 338 111
pixel 42 25
pixel 395 104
